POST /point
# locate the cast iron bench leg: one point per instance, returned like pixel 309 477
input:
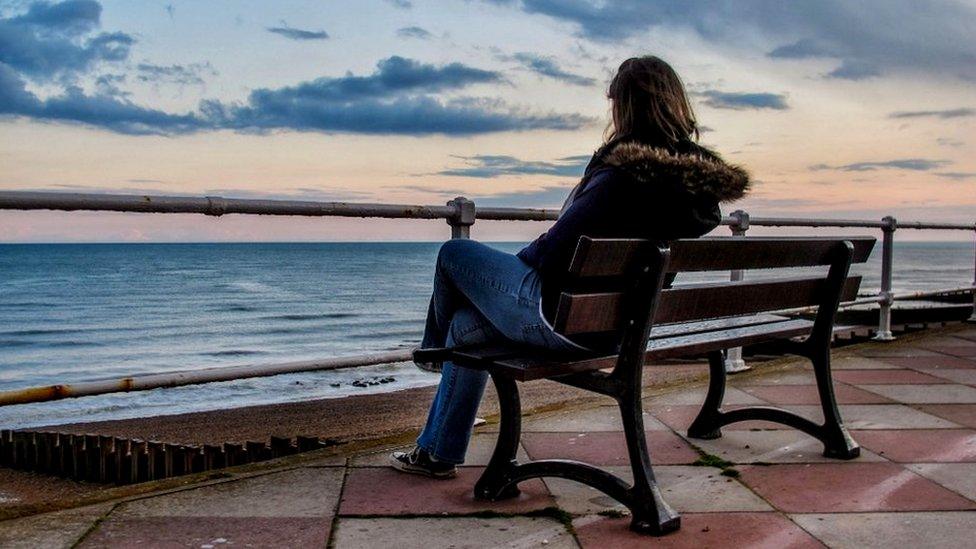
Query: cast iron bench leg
pixel 650 514
pixel 838 443
pixel 707 424
pixel 496 481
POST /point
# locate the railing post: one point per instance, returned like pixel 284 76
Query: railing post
pixel 972 317
pixel 733 357
pixel 463 217
pixel 889 225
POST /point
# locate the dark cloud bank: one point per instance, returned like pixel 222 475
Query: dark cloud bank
pixel 60 43
pixel 866 37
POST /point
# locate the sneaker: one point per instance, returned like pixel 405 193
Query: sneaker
pixel 419 462
pixel 421 359
pixel 432 367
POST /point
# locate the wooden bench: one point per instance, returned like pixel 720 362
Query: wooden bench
pixel 622 287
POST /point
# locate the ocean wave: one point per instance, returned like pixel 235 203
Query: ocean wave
pixel 236 352
pixel 309 316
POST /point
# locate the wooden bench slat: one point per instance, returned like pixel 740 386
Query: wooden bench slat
pixel 540 364
pixel 723 299
pixel 608 257
pixel 602 312
pixel 682 328
pixel 720 254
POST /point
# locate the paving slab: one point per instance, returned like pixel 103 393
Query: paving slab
pixel 599 418
pixel 786 446
pixel 961 351
pixel 696 395
pixel 665 447
pixel 686 488
pixel 963 414
pixel 895 351
pixel 698 531
pixel 679 416
pixel 921 445
pixel 793 376
pixel 859 363
pixel 936 362
pixel 807 394
pixel 454 532
pixel 479 453
pixel 305 492
pixel 848 487
pixel 929 530
pixel 951 393
pixel 958 477
pixel 59 529
pixel 862 377
pixel 210 532
pixel 965 376
pixel 381 491
pixel 878 416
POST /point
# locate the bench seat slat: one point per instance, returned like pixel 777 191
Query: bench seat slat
pixel 536 364
pixel 683 328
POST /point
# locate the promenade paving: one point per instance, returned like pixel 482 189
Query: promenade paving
pixel 911 404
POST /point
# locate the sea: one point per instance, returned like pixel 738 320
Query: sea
pixel 82 312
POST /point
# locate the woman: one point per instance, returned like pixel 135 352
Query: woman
pixel 649 180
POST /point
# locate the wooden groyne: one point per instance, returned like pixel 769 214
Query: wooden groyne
pixel 116 460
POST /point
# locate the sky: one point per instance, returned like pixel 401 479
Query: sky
pixel 847 109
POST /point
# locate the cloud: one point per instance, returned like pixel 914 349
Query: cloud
pixel 491 166
pixel 71 16
pixel 959 176
pixel 743 101
pixel 191 74
pixel 298 34
pixel 943 114
pixel 402 4
pixel 414 32
pixel 867 37
pixel 949 142
pixel 52 41
pixel 909 164
pixel 546 66
pixel 400 97
pixel 58 43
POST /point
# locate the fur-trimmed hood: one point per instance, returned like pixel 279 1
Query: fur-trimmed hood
pixel 701 171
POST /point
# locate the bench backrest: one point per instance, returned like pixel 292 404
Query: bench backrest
pixel 623 279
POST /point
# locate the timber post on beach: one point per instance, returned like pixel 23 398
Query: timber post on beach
pixel 739 225
pixel 888 227
pixel 463 217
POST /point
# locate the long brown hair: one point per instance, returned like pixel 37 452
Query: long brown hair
pixel 649 104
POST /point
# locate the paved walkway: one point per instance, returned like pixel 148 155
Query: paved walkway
pixel 910 404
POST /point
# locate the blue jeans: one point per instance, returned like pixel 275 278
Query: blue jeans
pixel 480 295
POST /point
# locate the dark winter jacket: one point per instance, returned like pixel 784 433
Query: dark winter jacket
pixel 633 190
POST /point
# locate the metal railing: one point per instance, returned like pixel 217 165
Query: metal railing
pixel 460 214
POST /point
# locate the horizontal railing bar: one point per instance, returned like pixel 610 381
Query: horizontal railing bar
pixel 194 377
pixel 216 206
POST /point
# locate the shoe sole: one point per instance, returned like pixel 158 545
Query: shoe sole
pixel 410 469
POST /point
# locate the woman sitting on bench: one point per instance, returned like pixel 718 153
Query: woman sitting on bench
pixel 649 180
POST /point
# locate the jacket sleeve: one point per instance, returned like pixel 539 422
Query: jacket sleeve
pixel 553 250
